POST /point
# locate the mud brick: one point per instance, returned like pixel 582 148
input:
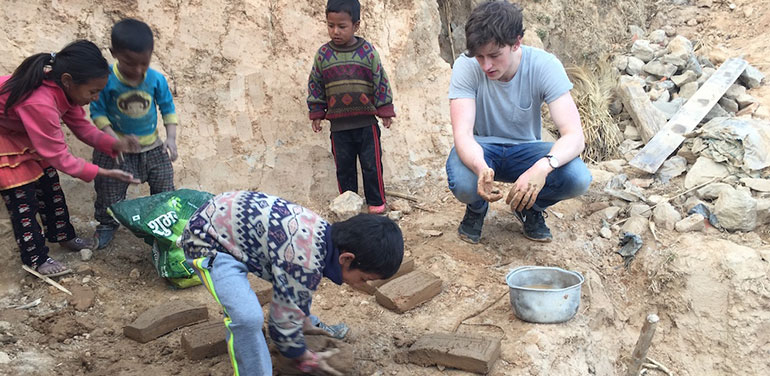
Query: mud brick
pixel 165 318
pixel 407 266
pixel 468 353
pixel 205 340
pixel 262 288
pixel 408 291
pixel 342 362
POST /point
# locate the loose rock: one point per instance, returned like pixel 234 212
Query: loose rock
pixel 347 205
pixel 666 216
pixel 642 50
pixel 86 254
pixel 694 222
pixel 736 210
pixel 702 171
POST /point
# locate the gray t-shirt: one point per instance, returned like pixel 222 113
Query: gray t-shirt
pixel 509 112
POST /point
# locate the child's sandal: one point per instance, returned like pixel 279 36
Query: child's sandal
pixel 50 266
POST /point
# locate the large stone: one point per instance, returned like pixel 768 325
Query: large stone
pixel 734 91
pixel 679 47
pixel 643 50
pixel 761 185
pixel 636 225
pixel 620 62
pixel 729 105
pixel 713 190
pixel 632 133
pixel 686 77
pixel 634 65
pixel 346 205
pixel 672 168
pixel 669 109
pixel 666 216
pixel 638 209
pixel 707 72
pixel 715 112
pixel 736 210
pixel 745 100
pixel 688 90
pixel 657 36
pixel 694 66
pixel 694 222
pixel 703 170
pixel 752 77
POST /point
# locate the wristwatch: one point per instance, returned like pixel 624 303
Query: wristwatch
pixel 552 161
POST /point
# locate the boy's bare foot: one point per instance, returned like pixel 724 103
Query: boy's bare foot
pixel 53 268
pixel 77 243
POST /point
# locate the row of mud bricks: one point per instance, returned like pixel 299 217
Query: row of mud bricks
pixel 404 291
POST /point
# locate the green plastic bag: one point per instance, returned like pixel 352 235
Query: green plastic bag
pixel 159 220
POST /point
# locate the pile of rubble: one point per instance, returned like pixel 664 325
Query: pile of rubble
pixel 725 163
pixel 666 66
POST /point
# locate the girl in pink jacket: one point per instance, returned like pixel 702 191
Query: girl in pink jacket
pixel 43 91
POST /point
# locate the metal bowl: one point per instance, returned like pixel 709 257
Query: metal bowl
pixel 543 294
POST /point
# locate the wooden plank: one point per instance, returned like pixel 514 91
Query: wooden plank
pixel 648 118
pixel 652 156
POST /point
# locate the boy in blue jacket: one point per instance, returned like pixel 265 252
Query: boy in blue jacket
pixel 127 106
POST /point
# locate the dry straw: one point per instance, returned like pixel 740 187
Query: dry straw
pixel 593 91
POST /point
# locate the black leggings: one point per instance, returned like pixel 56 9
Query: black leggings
pixel 42 196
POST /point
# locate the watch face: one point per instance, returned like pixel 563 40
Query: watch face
pixel 553 162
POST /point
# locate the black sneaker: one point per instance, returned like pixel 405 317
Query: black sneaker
pixel 533 224
pixel 104 234
pixel 470 228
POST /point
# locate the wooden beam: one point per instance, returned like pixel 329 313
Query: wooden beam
pixel 648 118
pixel 652 156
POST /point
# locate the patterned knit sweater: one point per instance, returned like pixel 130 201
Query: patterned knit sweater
pixel 281 242
pixel 348 86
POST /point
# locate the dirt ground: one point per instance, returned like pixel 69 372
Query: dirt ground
pixel 711 289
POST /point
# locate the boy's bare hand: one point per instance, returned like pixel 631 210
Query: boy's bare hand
pixel 324 369
pixel 171 148
pixel 386 122
pixel 127 144
pixel 316 125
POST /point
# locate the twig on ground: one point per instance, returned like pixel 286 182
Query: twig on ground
pixel 653 364
pixel 404 196
pixel 46 279
pixel 31 304
pixel 486 307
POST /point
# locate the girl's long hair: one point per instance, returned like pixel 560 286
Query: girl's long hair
pixel 81 59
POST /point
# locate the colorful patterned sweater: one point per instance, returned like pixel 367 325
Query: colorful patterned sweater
pixel 281 242
pixel 348 86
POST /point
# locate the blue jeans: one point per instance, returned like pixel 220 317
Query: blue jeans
pixel 227 280
pixel 509 162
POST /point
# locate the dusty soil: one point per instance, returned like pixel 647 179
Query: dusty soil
pixel 710 289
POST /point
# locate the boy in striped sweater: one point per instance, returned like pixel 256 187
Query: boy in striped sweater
pixel 348 86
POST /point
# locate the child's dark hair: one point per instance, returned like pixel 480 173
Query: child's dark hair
pixel 494 21
pixel 351 7
pixel 375 240
pixel 81 59
pixel 132 35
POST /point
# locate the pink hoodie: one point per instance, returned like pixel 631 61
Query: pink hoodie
pixel 35 124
